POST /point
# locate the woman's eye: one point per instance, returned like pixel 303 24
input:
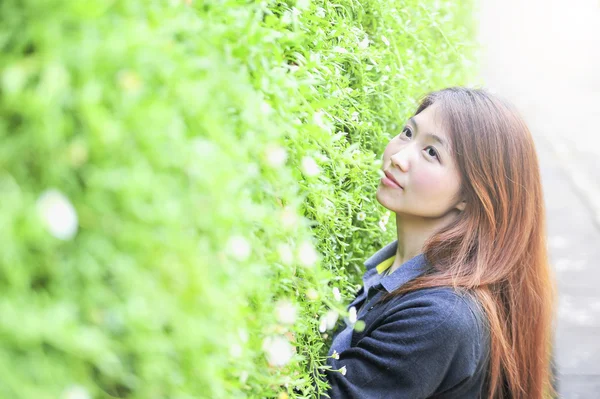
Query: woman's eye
pixel 406 132
pixel 431 152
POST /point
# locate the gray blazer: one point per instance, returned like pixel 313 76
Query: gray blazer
pixel 431 343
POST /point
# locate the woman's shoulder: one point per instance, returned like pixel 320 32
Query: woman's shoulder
pixel 455 312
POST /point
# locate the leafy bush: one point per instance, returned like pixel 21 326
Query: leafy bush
pixel 185 185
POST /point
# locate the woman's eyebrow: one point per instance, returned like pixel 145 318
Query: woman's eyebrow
pixel 437 138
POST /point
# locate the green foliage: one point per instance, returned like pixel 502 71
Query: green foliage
pixel 178 178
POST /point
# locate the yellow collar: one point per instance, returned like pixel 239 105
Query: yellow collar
pixel 383 266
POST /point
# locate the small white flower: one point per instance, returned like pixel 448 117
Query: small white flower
pixel 306 254
pixel 361 216
pixel 285 254
pixel 386 217
pixel 312 294
pixel 265 107
pixel 385 40
pixel 331 317
pixel 243 334
pixel 354 116
pixel 238 247
pixel 320 12
pixel 243 377
pixel 75 392
pixel 286 18
pixel 387 68
pixel 343 370
pixel 275 155
pixel 303 4
pixel 322 324
pixel 340 50
pixel 58 214
pixel 289 217
pixel 328 320
pixel 335 355
pixel 352 315
pixel 203 148
pixel 318 120
pixel 364 43
pixel 235 350
pixel 310 167
pixel 286 312
pixel 369 67
pixel 336 294
pixel 278 350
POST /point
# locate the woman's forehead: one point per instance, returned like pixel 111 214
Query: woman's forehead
pixel 430 124
pixel 431 120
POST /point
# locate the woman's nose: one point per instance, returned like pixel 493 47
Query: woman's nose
pixel 402 158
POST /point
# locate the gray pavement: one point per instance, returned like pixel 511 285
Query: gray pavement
pixel 573 240
pixel 545 57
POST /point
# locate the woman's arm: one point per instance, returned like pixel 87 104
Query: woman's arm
pixel 429 343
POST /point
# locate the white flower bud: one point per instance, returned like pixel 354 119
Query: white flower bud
pixel 285 254
pixel 364 43
pixel 58 214
pixel 352 315
pixel 75 392
pixel 286 312
pixel 336 294
pixel 306 254
pixel 238 247
pixel 310 167
pixel 275 155
pixel 278 350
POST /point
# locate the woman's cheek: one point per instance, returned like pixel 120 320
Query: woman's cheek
pixel 425 182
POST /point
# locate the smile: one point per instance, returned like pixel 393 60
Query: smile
pixel 389 182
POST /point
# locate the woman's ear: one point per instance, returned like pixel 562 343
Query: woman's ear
pixel 461 205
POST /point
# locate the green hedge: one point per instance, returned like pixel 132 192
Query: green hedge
pixel 184 184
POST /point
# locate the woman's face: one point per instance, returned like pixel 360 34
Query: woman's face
pixel 421 161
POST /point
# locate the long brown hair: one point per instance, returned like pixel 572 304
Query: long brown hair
pixel 496 248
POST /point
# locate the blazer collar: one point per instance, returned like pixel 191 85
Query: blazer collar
pixel 384 258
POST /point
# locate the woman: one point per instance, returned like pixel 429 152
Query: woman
pixel 461 304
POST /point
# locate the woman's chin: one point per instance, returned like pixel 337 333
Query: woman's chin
pixel 385 200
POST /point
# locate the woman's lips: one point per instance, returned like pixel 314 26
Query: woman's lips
pixel 389 180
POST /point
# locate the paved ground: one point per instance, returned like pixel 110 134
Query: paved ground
pixel 545 57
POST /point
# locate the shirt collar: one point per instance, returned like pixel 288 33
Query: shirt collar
pixel 409 270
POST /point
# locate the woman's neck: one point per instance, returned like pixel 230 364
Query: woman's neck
pixel 413 232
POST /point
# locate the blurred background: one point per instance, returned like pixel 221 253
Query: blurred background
pixel 187 186
pixel 545 57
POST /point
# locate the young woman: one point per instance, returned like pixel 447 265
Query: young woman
pixel 461 305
